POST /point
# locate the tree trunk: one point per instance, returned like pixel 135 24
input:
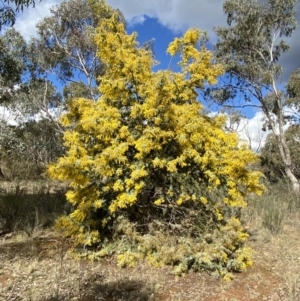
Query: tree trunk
pixel 281 140
pixel 293 179
pixel 286 158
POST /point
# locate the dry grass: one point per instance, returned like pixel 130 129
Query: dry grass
pixel 30 206
pixel 31 187
pixel 39 268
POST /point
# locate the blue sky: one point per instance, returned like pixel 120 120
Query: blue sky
pixel 161 35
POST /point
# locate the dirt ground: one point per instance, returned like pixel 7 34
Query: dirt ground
pixel 40 269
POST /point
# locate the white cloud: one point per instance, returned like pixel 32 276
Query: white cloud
pixel 138 20
pixel 250 131
pixel 27 20
pixel 177 15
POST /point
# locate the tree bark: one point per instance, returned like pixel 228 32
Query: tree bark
pixel 287 160
pixel 293 179
pixel 281 141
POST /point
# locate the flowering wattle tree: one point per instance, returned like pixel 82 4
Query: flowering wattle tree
pixel 150 175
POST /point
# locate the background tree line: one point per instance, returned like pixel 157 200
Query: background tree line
pixel 31 76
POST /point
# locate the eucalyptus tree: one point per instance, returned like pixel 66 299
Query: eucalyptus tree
pixel 250 48
pixel 22 99
pixel 65 46
pixel 39 76
pixel 12 66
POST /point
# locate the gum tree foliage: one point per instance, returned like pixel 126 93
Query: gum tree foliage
pixel 12 62
pixel 250 48
pixel 293 95
pixel 12 66
pixel 21 93
pixel 65 49
pixel 9 9
pixel 144 160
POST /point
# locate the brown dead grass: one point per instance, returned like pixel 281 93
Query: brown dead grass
pixel 40 269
